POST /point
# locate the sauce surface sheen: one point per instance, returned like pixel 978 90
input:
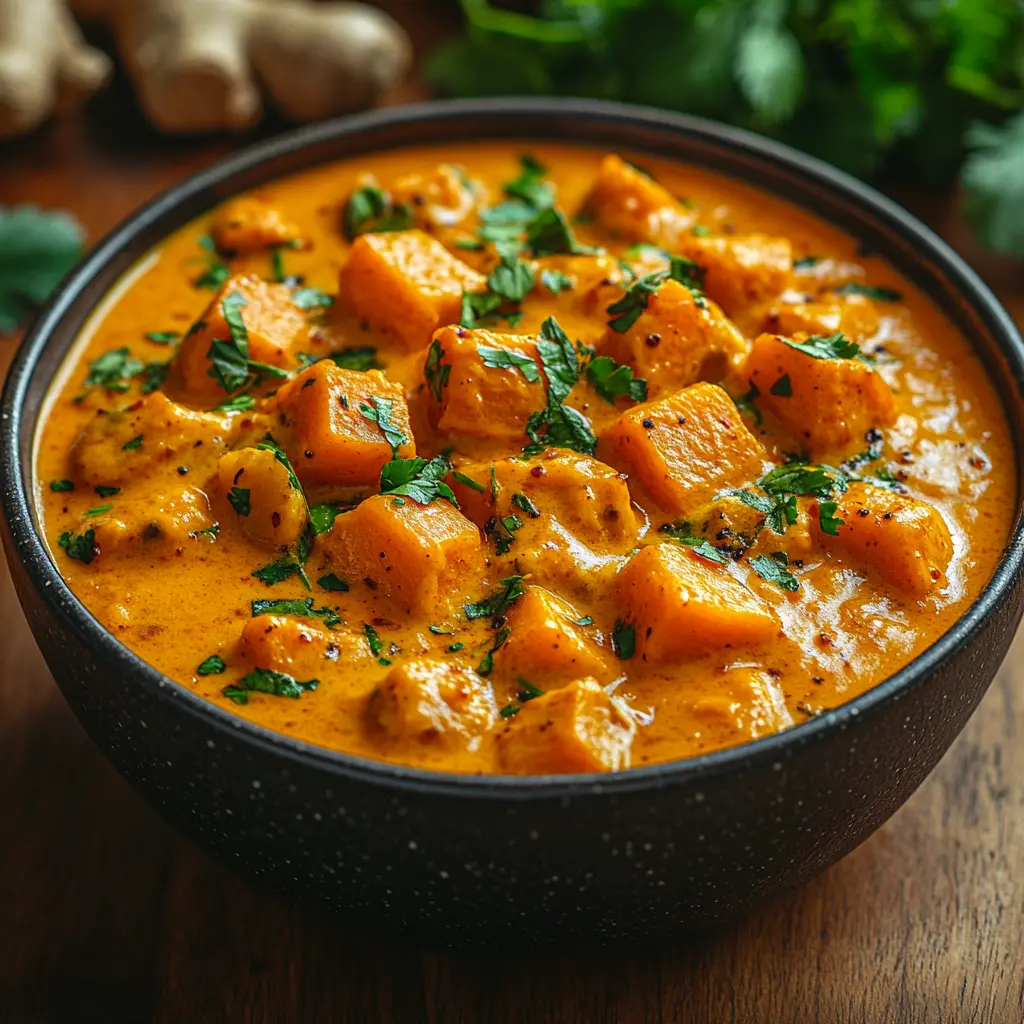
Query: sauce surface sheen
pixel 640 611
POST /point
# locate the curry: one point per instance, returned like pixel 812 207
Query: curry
pixel 540 461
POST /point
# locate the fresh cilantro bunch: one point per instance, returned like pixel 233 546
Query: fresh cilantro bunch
pixel 908 89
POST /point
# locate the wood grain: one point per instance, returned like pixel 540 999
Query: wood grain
pixel 107 915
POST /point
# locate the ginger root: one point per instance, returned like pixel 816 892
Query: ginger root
pixel 200 65
pixel 44 63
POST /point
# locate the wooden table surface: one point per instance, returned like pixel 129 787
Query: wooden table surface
pixel 107 915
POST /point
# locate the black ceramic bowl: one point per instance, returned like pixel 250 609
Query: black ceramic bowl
pixel 516 862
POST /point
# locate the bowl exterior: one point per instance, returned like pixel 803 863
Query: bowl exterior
pixel 536 863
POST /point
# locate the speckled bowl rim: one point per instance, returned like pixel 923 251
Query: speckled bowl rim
pixel 596 122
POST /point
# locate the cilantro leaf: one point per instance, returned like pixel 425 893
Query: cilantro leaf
pixel 511 279
pixel 509 359
pixel 80 546
pixel 549 234
pixel 239 500
pixel 623 640
pixel 211 666
pixel 265 680
pixel 555 281
pixel 371 209
pixel 435 371
pixel 800 478
pixel 322 517
pixel 37 249
pixel 828 519
pixel 380 413
pixel 783 387
pixel 530 186
pixel 113 370
pixel 468 481
pixel 499 602
pixel 876 292
pixel 330 581
pixel 418 479
pixel 521 501
pixel 773 570
pixel 277 572
pixel 612 380
pixel 312 298
pixel 833 346
pixel 59 486
pixel 299 607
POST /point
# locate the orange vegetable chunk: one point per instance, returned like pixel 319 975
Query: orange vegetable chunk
pixel 277 510
pixel 478 400
pixel 634 207
pixel 677 341
pixel 330 437
pixel 546 641
pixel 407 283
pixel 856 316
pixel 430 702
pixel 741 269
pixel 681 605
pixel 247 224
pixel 829 403
pixel 577 728
pixel 687 447
pixel 904 539
pixel 273 324
pixel 420 556
pixel 747 703
pixel 298 648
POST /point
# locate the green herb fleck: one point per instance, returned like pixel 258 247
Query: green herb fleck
pixel 212 666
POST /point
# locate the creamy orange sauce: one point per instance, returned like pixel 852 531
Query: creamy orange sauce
pixel 170 590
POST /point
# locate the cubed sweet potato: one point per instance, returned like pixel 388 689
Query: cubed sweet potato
pixel 429 702
pixel 677 341
pixel 633 207
pixel 680 605
pixel 741 269
pixel 269 510
pixel 903 539
pixel 547 642
pixel 543 515
pixel 856 316
pixel 160 523
pixel 332 431
pixel 577 728
pixel 407 283
pixel 126 444
pixel 247 224
pixel 479 392
pixel 745 704
pixel 686 448
pixel 420 556
pixel 825 402
pixel 274 326
pixel 298 648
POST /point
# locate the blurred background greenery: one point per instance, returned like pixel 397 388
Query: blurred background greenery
pixel 917 90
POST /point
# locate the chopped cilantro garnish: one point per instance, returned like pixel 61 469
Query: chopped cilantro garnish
pixel 612 380
pixel 486 665
pixel 211 666
pixel 499 602
pixel 212 532
pixel 301 607
pixel 555 281
pixel 800 478
pixel 774 570
pixel 418 479
pixel 549 234
pixel 380 413
pixel 511 279
pixel 806 262
pixel 503 530
pixel 133 445
pixel 523 502
pixel 239 500
pixel 530 186
pixel 509 359
pixel 468 481
pixel 833 346
pixel 373 639
pixel 238 403
pixel 59 486
pixel 278 572
pixel 113 370
pixel 879 294
pixel 217 271
pixel 783 387
pixel 106 492
pixel 264 680
pixel 322 517
pixel 162 337
pixel 436 372
pixel 330 581
pixel 371 209
pixel 623 640
pixel 828 519
pixel 359 357
pixel 312 298
pixel 80 546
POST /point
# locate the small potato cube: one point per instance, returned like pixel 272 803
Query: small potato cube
pixel 429 702
pixel 856 316
pixel 331 439
pixel 157 523
pixel 677 341
pixel 125 444
pixel 546 642
pixel 633 207
pixel 268 509
pixel 419 556
pixel 745 705
pixel 687 447
pixel 441 199
pixel 407 283
pixel 741 269
pixel 825 402
pixel 481 400
pixel 248 224
pixel 682 605
pixel 273 323
pixel 297 648
pixel 902 538
pixel 577 728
